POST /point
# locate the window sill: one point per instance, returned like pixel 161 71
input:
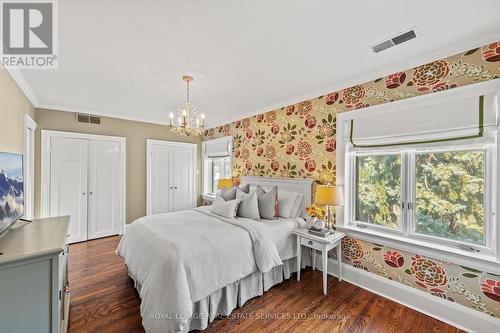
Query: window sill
pixel 480 261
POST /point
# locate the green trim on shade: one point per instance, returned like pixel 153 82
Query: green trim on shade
pixel 479 135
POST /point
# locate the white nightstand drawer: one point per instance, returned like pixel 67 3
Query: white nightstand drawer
pixel 312 243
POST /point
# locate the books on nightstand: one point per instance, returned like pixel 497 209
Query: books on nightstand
pixel 319 232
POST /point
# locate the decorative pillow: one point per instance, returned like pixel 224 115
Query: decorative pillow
pixel 300 207
pixel 287 203
pixel 228 194
pixel 245 188
pixel 225 208
pixel 268 203
pixel 249 205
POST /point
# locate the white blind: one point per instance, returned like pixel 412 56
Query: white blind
pixel 217 149
pixel 452 120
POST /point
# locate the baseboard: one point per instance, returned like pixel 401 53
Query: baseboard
pixel 449 312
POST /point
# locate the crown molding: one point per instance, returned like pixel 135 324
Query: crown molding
pixel 23 84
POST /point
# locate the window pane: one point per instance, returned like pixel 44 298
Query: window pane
pixel 378 190
pixel 215 174
pixel 450 195
pixel 227 168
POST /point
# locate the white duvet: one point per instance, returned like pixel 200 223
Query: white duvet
pixel 180 258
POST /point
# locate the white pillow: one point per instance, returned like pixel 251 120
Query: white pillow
pixel 225 208
pixel 287 203
pixel 268 203
pixel 299 211
pixel 249 206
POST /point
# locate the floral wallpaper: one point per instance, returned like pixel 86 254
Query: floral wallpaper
pixel 464 285
pixel 299 141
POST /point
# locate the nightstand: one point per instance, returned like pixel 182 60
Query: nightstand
pixel 323 244
pixel 207 199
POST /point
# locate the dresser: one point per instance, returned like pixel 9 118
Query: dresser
pixel 34 288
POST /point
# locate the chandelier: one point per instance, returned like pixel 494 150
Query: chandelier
pixel 189 121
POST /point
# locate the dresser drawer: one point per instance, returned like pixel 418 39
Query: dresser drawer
pixel 312 243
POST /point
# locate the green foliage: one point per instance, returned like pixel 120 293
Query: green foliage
pixel 449 193
pixel 379 190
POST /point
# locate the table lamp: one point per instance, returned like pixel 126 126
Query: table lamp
pixel 224 183
pixel 329 196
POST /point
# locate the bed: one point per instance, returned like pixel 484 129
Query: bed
pixel 193 266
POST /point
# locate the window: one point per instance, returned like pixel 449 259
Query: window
pixel 378 190
pixel 450 195
pixel 438 194
pixel 216 162
pixel 218 168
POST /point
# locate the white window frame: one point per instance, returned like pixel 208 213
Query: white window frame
pixel 207 172
pixel 352 183
pixel 408 195
pixel 484 262
pixel 223 168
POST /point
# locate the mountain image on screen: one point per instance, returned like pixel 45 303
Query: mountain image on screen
pixel 11 198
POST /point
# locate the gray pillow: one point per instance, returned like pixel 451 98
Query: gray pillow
pixel 268 204
pixel 225 208
pixel 228 194
pixel 249 206
pixel 245 188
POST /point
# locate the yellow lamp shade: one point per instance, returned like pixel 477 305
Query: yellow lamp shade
pixel 329 195
pixel 224 183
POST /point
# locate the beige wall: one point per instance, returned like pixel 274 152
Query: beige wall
pixel 136 134
pixel 13 106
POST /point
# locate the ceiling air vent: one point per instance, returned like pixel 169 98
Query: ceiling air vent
pixel 401 38
pixel 88 119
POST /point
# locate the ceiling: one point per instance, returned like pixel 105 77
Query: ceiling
pixel 125 58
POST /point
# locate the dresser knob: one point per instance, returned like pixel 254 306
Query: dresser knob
pixel 310 243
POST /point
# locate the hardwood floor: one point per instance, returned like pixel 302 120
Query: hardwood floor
pixel 104 300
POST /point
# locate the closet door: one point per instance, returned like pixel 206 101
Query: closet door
pixel 68 184
pixel 161 188
pixel 183 178
pixel 105 189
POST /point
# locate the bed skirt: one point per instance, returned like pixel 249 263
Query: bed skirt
pixel 223 301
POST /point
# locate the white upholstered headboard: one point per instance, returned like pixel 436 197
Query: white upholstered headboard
pixel 286 184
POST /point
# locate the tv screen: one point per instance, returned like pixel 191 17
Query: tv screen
pixel 11 189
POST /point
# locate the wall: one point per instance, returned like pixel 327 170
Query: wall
pixel 300 141
pixel 13 106
pixel 136 134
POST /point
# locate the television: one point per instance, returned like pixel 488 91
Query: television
pixel 11 189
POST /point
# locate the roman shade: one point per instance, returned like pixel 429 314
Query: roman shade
pixel 459 119
pixel 217 148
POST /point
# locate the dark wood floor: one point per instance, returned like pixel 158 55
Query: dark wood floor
pixel 103 299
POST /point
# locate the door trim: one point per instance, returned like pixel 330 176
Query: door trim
pixel 46 136
pixel 149 144
pixel 29 166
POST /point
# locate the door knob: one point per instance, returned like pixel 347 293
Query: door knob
pixel 176 187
